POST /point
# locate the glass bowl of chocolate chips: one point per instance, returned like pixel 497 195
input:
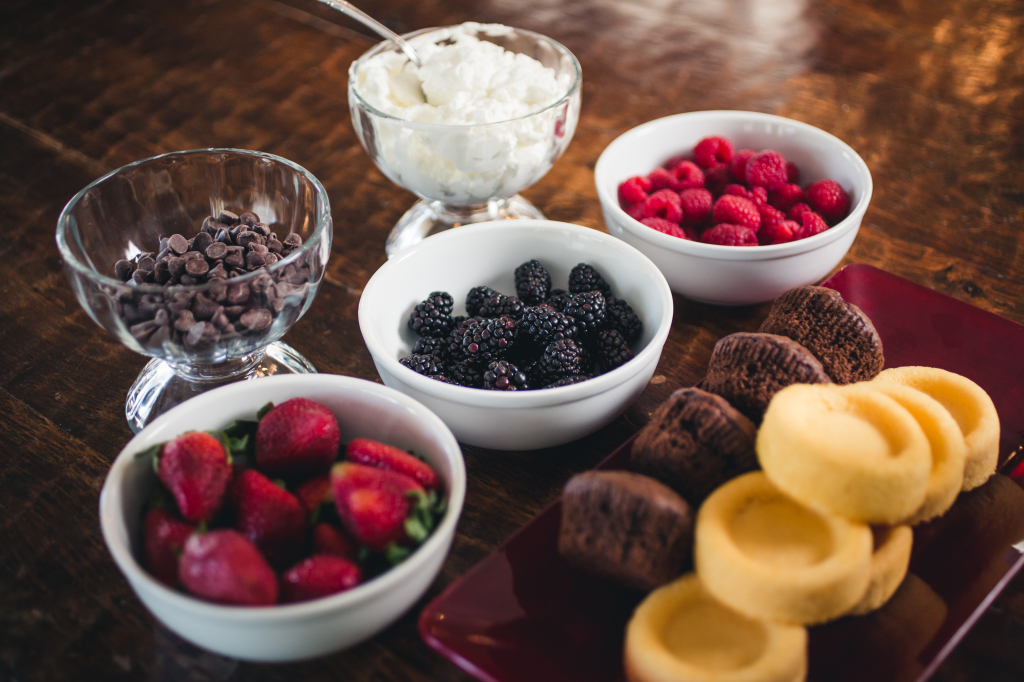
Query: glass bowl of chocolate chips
pixel 201 260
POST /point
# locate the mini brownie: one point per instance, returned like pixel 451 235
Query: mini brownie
pixel 837 332
pixel 625 527
pixel 748 369
pixel 695 442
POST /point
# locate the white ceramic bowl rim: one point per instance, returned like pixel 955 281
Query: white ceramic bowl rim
pixel 717 251
pixel 512 400
pixel 437 127
pixel 110 513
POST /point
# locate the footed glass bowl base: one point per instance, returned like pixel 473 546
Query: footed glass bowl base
pixel 160 386
pixel 430 217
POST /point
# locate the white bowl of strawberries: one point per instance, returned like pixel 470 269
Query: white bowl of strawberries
pixel 734 207
pixel 284 532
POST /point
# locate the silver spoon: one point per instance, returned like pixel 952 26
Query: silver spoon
pixel 368 21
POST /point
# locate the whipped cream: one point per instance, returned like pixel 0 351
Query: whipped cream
pixel 483 92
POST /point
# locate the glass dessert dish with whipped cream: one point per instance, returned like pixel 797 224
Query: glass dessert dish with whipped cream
pixel 488 112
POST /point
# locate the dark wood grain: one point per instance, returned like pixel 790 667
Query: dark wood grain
pixel 929 93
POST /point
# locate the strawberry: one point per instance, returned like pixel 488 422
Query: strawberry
pixel 318 576
pixel 195 468
pixel 298 437
pixel 164 537
pixel 374 504
pixel 381 456
pixel 313 493
pixel 270 517
pixel 328 539
pixel 224 567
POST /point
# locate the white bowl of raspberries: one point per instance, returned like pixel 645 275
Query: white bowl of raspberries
pixel 287 517
pixel 519 334
pixel 734 207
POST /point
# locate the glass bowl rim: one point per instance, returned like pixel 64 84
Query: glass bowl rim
pixel 439 127
pixel 63 225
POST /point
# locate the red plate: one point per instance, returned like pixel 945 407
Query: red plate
pixel 524 615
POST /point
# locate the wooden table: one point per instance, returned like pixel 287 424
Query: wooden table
pixel 929 93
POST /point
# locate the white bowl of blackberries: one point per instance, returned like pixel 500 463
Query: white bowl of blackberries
pixel 518 335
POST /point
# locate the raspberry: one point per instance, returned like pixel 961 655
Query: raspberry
pixel 786 197
pixel 757 196
pixel 717 177
pixel 696 206
pixel 675 161
pixel 738 165
pixel 636 211
pixel 663 204
pixel 730 235
pixel 735 211
pixel 829 200
pixel 692 233
pixel 634 190
pixel 812 224
pixel 660 179
pixel 792 173
pixel 711 151
pixel 687 176
pixel 766 169
pixel 778 232
pixel 795 212
pixel 770 218
pixel 665 227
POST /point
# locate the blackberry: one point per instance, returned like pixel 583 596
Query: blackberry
pixel 558 300
pixel 501 305
pixel 566 381
pixel 562 358
pixel 622 318
pixel 488 340
pixel 432 317
pixel 430 345
pixel 543 324
pixel 611 349
pixel 443 379
pixel 589 310
pixel 427 365
pixel 465 373
pixel 502 375
pixel 585 278
pixel 454 338
pixel 533 283
pixel 475 297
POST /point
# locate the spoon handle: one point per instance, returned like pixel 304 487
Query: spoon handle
pixel 364 18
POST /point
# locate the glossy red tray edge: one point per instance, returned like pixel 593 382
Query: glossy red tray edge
pixel 842 281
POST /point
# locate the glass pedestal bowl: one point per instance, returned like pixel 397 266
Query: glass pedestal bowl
pixel 200 334
pixel 468 173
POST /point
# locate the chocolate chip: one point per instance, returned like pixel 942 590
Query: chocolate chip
pixel 256 320
pixel 184 321
pixel 246 237
pixel 219 291
pixel 293 240
pixel 192 255
pixel 202 335
pixel 143 330
pixel 254 261
pixel 235 259
pixel 141 276
pixel 203 308
pixel 197 267
pixel 223 236
pixel 201 241
pixel 228 218
pixel 259 248
pixel 216 250
pixel 261 229
pixel 147 263
pixel 217 272
pixel 159 336
pixel 188 280
pixel 123 269
pixel 274 245
pixel 249 218
pixel 220 319
pixel 238 293
pixel 161 273
pixel 233 311
pixel 211 225
pixel 270 258
pixel 176 266
pixel 177 244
